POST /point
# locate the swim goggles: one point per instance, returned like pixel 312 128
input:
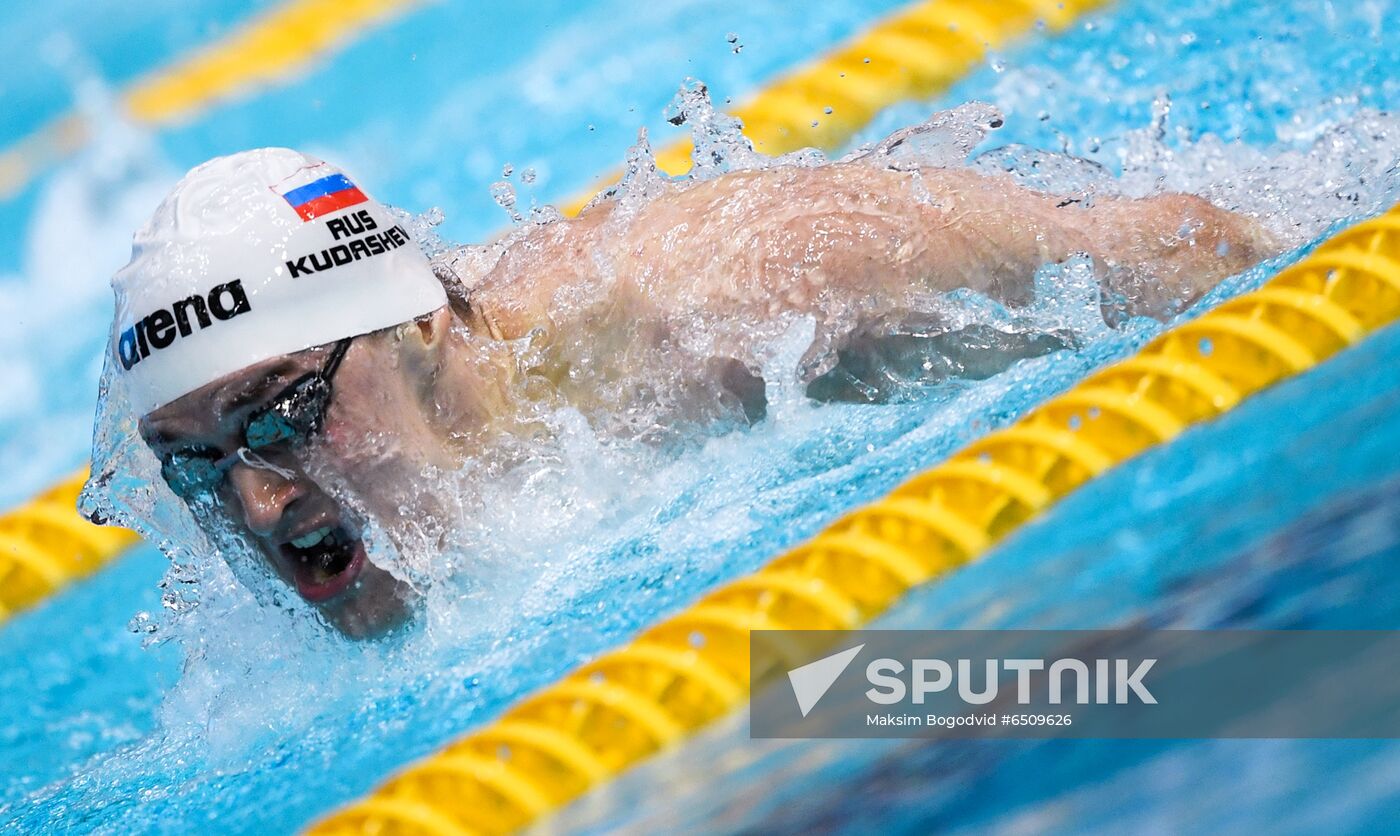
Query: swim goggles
pixel 290 418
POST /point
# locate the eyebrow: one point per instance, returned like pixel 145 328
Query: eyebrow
pixel 272 382
pixel 159 438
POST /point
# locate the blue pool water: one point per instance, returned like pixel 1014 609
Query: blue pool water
pixel 1283 514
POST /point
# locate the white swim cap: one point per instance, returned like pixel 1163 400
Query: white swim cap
pixel 256 255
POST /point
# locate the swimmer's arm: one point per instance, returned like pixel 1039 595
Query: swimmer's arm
pixel 792 239
pixel 795 238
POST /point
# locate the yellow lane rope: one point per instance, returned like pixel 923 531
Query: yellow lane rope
pixel 694 667
pixel 267 49
pixel 915 53
pixel 45 545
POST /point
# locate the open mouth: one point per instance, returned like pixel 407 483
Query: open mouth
pixel 324 561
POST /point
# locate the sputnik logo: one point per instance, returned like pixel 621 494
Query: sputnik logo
pixel 811 681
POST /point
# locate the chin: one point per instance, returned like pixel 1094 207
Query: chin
pixel 373 605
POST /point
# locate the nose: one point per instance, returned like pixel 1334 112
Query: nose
pixel 264 494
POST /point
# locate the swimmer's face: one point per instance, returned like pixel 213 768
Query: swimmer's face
pixel 374 440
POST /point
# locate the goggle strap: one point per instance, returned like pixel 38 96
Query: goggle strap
pixel 252 459
pixel 333 362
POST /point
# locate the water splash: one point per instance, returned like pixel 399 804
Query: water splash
pixel 504 194
pixel 943 140
pixel 567 542
pixel 513 520
pixel 513 517
pixel 719 144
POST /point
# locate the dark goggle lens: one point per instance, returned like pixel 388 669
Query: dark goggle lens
pixel 269 428
pixel 191 475
pixel 295 416
pixel 291 419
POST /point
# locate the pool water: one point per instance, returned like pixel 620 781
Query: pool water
pixel 1282 514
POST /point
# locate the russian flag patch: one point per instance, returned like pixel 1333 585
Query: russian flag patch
pixel 324 196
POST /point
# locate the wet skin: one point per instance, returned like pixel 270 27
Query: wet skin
pixel 757 244
pixel 299 529
pixel 403 399
pixel 746 248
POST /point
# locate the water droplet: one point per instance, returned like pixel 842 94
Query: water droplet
pixel 142 622
pixel 826 110
pixel 504 195
pixel 507 170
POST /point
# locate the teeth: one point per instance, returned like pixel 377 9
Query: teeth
pixel 312 538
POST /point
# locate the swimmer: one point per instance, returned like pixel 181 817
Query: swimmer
pixel 272 310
